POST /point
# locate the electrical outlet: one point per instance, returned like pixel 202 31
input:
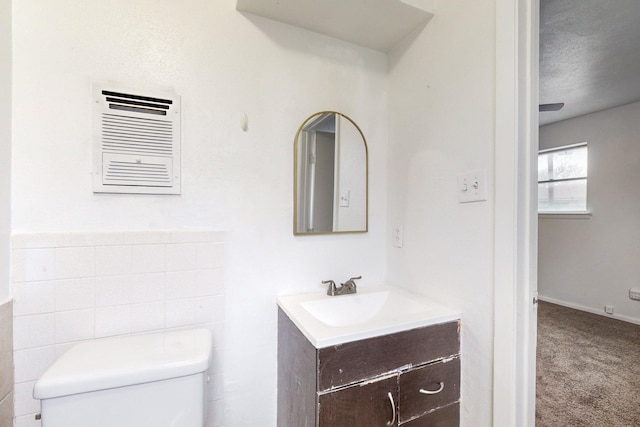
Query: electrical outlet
pixel 397 236
pixel 608 309
pixel 634 294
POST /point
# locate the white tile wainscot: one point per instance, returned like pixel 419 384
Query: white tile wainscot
pixel 75 286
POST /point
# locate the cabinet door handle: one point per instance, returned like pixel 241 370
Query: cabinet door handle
pixel 393 409
pixel 423 391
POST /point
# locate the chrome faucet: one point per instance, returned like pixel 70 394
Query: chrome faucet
pixel 348 287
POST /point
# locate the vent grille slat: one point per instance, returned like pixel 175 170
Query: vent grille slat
pixel 133 153
pixel 130 127
pixel 139 171
pixel 132 102
pixel 142 141
pixel 136 103
pixel 133 149
pixel 140 129
pixel 123 139
pixel 111 134
pixel 141 120
pixel 136 143
pixel 137 109
pixel 152 138
pixel 137 97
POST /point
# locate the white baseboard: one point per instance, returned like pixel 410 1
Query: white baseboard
pixel 592 310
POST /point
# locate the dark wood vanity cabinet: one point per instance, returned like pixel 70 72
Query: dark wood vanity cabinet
pixel 371 382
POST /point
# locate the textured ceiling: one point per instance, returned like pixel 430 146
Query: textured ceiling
pixel 589 55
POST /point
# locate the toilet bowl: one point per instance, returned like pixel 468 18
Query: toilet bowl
pixel 134 381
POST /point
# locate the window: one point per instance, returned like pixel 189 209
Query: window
pixel 562 179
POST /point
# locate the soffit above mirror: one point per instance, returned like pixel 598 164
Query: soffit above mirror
pixel 376 24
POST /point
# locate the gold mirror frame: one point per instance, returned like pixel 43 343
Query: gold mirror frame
pixel 302 172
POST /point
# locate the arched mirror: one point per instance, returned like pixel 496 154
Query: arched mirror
pixel 330 176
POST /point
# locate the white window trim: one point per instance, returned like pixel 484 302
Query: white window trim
pixel 562 148
pixel 565 215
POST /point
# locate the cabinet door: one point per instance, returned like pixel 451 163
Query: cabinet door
pixel 427 388
pixel 370 404
pixel 448 416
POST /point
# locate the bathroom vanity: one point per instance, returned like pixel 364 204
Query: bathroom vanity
pixel 405 376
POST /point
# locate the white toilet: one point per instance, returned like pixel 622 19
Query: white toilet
pixel 154 380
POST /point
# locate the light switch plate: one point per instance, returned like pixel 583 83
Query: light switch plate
pixel 344 199
pixel 472 187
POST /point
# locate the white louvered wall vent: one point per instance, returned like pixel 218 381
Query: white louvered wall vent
pixel 136 145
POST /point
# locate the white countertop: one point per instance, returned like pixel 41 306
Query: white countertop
pixel 372 311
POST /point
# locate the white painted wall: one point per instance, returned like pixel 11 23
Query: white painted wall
pixel 587 263
pixel 222 63
pixel 442 99
pixel 441 123
pixel 5 146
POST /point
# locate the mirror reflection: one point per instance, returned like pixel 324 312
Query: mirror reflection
pixel 330 182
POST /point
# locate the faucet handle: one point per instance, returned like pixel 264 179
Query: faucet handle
pixel 332 287
pixel 351 282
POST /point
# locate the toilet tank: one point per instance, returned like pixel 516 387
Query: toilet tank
pixel 134 381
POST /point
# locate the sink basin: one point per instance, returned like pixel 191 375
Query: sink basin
pixel 373 311
pixel 356 309
pixel 352 310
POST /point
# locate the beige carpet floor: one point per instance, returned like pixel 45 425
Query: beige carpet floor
pixel 588 370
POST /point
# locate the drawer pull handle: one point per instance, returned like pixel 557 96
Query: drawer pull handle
pixel 393 409
pixel 423 391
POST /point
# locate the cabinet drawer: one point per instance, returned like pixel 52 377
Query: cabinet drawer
pixel 443 376
pixel 443 417
pixel 360 405
pixel 351 362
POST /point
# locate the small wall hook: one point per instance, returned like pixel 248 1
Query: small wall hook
pixel 244 122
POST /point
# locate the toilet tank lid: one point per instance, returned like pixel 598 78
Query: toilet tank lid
pixel 122 361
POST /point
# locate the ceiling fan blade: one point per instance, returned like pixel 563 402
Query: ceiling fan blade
pixel 551 107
